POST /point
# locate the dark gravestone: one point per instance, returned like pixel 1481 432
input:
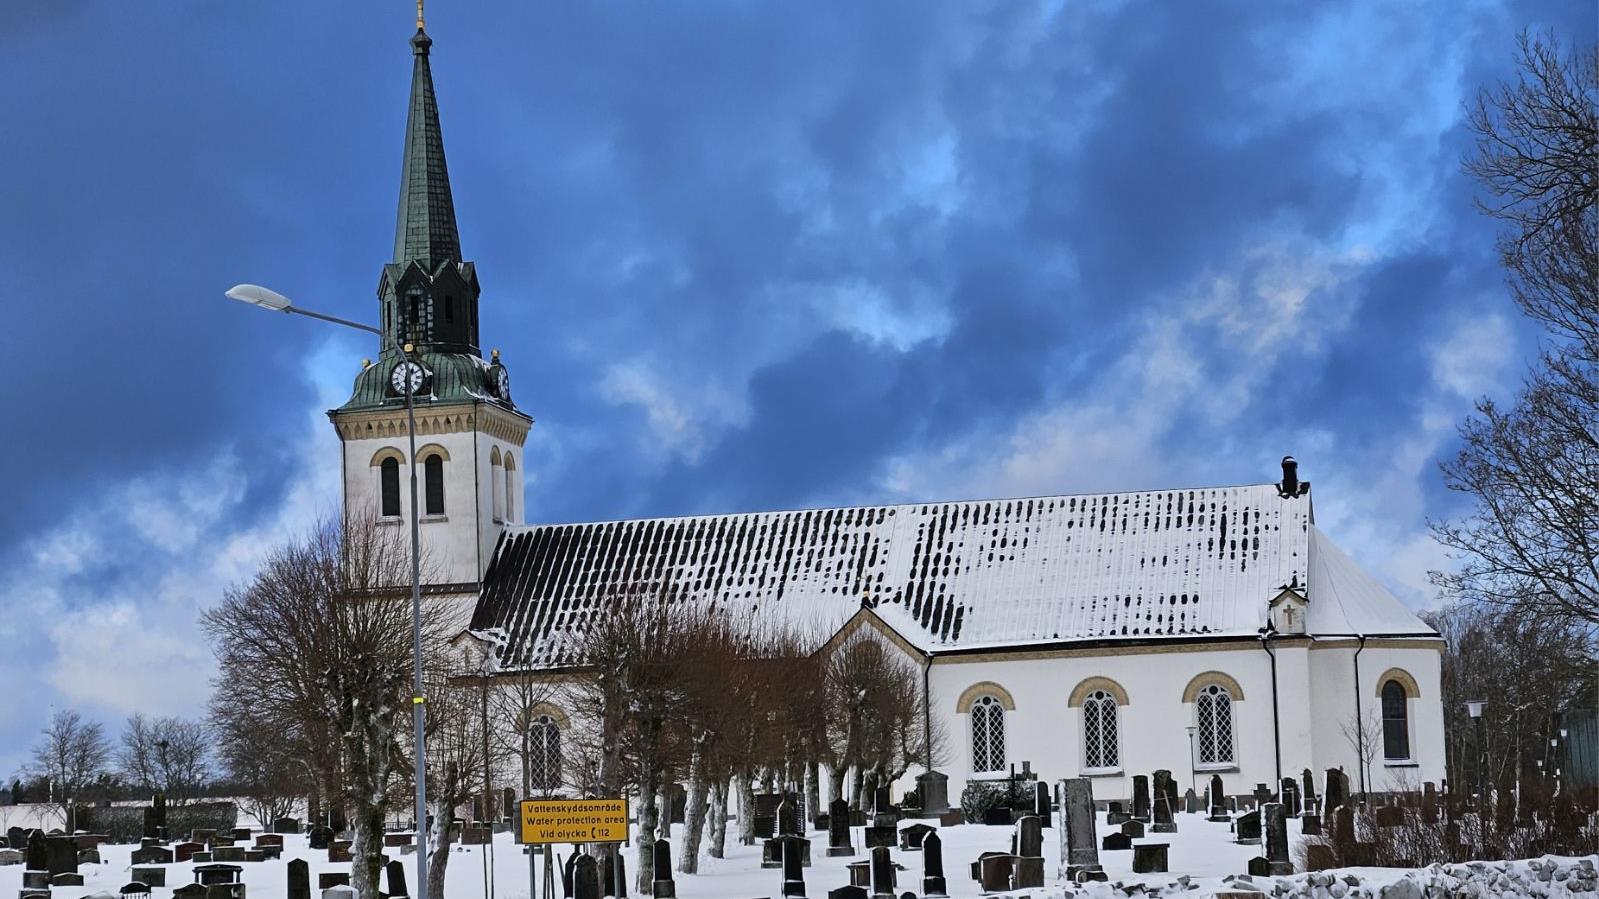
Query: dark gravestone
pixel 1290 797
pixel 663 886
pixel 286 825
pixel 788 818
pixel 860 874
pixel 217 873
pixel 1343 832
pixel 850 892
pixel 585 878
pixel 1030 837
pixel 339 851
pixel 838 843
pixel 394 874
pixel 795 852
pixel 38 851
pixel 138 889
pixel 1149 858
pixel 88 856
pixel 1133 829
pixel 933 789
pixel 911 838
pixel 265 840
pixel 1429 803
pixel 882 874
pixel 994 870
pixel 1307 791
pixel 337 820
pixel 508 806
pixel 1218 800
pixel 998 817
pixel 1246 828
pixel 190 891
pixel 1028 874
pixel 1259 867
pixel 1116 842
pixel 16 838
pixel 66 879
pixel 1262 795
pixel 62 854
pixel 151 855
pixel 933 883
pixel 149 876
pixel 1115 813
pixel 1141 798
pixel 765 826
pixel 1041 804
pixel 1276 834
pixel 1336 791
pixel 1310 825
pixel 320 837
pixel 880 836
pixel 299 879
pixel 228 854
pixel 1164 808
pixel 1079 844
pixel 329 879
pixel 613 877
pixel 185 851
pixel 1191 803
pixel 240 834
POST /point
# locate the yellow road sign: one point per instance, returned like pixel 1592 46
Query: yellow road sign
pixel 573 821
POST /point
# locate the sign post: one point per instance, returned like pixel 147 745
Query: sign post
pixel 546 821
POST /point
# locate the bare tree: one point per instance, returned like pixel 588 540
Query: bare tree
pixel 164 755
pixel 71 756
pixel 873 707
pixel 514 706
pixel 263 768
pixel 455 739
pixel 1532 469
pixel 323 634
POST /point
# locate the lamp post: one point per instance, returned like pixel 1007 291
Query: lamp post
pixel 256 295
pixel 1474 708
pixel 1193 776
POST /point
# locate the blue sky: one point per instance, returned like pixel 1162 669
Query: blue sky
pixel 737 256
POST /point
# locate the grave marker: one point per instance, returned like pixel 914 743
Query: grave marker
pixel 932 866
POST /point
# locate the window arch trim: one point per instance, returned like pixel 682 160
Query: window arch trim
pixel 1403 678
pixel 1090 684
pixel 1201 681
pixel 433 449
pixel 978 691
pixel 387 452
pixel 554 711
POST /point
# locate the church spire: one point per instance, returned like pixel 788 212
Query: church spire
pixel 425 231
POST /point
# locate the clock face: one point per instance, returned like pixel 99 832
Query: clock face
pixel 407 377
pixel 502 383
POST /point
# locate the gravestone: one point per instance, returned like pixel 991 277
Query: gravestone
pixel 299 879
pixel 286 825
pixel 88 856
pixel 1290 797
pixel 1028 873
pixel 1218 800
pixel 265 840
pixel 9 857
pixel 228 854
pixel 38 851
pixel 1116 813
pixel 152 855
pixel 912 837
pixel 664 887
pixel 1307 791
pixel 1310 825
pixel 994 870
pixel 16 838
pixel 1429 803
pixel 321 836
pixel 1259 867
pixel 1165 821
pixel 838 843
pixel 585 878
pixel 613 874
pixel 884 814
pixel 1149 858
pixel 217 873
pixel 860 873
pixel 1319 857
pixel 1276 833
pixel 240 834
pixel 1343 825
pixel 933 789
pixel 933 883
pixel 339 851
pixel 183 852
pixel 1030 837
pixel 1133 829
pixel 190 891
pixel 793 866
pixel 1141 798
pixel 1079 849
pixel 135 888
pixel 882 874
pixel 852 891
pixel 1246 828
pixel 1262 795
pixel 788 818
pixel 508 805
pixel 394 875
pixel 876 836
pixel 1191 803
pixel 1116 842
pixel 1041 804
pixel 341 891
pixel 1336 791
pixel 66 879
pixel 62 853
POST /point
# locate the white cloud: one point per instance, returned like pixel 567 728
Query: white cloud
pixel 681 421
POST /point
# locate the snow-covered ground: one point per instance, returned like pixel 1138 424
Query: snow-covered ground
pixel 1201 850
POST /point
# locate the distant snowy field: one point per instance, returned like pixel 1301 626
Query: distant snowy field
pixel 1201 850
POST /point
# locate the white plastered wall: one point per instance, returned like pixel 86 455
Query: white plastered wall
pixel 1332 671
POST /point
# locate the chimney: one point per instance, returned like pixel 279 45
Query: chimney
pixel 1291 485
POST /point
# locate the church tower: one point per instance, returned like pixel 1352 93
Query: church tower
pixel 469 434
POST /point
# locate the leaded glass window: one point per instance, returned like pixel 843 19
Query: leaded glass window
pixel 389 476
pixel 988 735
pixel 1099 731
pixel 1214 709
pixel 544 754
pixel 1395 721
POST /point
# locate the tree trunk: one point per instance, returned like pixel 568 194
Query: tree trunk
pixel 440 833
pixel 688 858
pixel 859 787
pixel 746 808
pixel 644 841
pixel 813 801
pixel 718 819
pixel 835 783
pixel 366 852
pixel 663 811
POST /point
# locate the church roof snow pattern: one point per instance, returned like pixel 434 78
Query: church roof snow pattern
pixel 947 576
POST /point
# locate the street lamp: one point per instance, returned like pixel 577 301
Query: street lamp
pixel 256 295
pixel 1474 708
pixel 1193 777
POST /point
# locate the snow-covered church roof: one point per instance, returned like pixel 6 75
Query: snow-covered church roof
pixel 956 576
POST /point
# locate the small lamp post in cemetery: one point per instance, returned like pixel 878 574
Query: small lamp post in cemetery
pixel 1193 777
pixel 256 295
pixel 1474 708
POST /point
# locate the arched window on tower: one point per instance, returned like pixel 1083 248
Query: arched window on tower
pixel 510 489
pixel 389 487
pixel 433 483
pixel 1213 713
pixel 544 754
pixel 988 735
pixel 1099 731
pixel 496 485
pixel 1395 722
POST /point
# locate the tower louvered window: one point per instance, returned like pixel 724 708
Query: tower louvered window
pixel 389 476
pixel 1099 731
pixel 1214 710
pixel 544 754
pixel 988 735
pixel 433 476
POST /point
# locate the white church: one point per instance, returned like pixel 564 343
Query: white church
pixel 1205 630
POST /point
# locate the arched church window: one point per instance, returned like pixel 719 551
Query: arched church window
pixel 1213 709
pixel 389 487
pixel 1099 731
pixel 433 483
pixel 988 735
pixel 544 754
pixel 510 488
pixel 496 485
pixel 1395 721
pixel 449 309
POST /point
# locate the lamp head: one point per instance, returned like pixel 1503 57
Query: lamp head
pixel 1474 707
pixel 256 295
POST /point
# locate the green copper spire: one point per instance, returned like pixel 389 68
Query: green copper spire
pixel 425 231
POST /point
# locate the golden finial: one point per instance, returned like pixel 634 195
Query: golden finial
pixel 496 355
pixel 419 23
pixel 366 364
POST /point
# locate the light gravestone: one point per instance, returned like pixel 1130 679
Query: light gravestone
pixel 838 842
pixel 933 883
pixel 1191 803
pixel 1079 848
pixel 1165 806
pixel 1276 823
